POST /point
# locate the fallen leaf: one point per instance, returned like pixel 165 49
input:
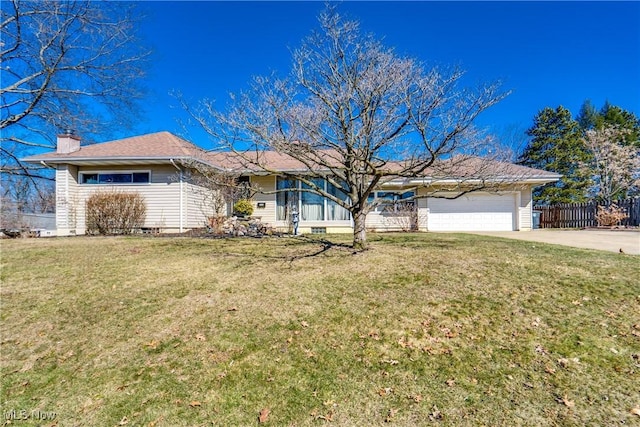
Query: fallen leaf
pixel 568 403
pixel 195 403
pixel 328 417
pixel 416 398
pixel 385 391
pixel 152 344
pixel 541 350
pixel 124 421
pixel 435 414
pixel 392 413
pixel 264 415
pixel 635 411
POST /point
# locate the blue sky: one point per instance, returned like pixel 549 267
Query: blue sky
pixel 547 53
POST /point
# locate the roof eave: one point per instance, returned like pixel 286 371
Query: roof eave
pixel 119 160
pixel 506 180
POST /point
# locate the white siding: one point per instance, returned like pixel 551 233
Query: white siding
pixel 525 210
pixel 422 211
pixel 379 221
pixel 268 213
pixel 198 204
pixel 162 196
pixel 67 205
pixel 476 211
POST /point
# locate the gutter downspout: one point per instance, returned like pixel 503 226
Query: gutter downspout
pixel 181 192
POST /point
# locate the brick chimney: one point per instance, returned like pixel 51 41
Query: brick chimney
pixel 67 143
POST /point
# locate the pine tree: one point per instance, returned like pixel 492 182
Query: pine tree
pixel 617 117
pixel 556 146
pixel 588 118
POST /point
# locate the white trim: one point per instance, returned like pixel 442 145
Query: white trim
pixel 106 172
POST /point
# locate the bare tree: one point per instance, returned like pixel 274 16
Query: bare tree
pixel 356 114
pixel 217 189
pixel 65 65
pixel 614 164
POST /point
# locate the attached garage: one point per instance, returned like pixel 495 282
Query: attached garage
pixel 473 212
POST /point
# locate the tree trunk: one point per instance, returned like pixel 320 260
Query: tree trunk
pixel 359 231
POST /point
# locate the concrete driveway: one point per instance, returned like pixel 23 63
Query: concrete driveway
pixel 604 240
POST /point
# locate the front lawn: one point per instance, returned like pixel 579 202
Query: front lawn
pixel 443 329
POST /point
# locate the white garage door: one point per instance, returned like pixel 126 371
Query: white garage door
pixel 473 212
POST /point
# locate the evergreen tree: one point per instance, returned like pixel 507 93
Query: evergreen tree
pixel 617 117
pixel 556 145
pixel 588 118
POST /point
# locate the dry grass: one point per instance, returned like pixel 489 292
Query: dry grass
pixel 447 329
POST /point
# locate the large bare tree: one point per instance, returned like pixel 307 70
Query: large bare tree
pixel 357 114
pixel 65 65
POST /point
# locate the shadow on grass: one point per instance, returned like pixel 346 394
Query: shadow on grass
pixel 325 245
pixel 303 246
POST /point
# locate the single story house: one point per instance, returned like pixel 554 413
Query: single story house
pixel 156 166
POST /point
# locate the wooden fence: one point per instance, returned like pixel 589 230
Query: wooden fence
pixel 581 215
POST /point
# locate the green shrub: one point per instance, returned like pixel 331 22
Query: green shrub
pixel 243 207
pixel 115 212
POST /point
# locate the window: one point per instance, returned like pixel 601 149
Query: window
pixel 312 203
pixel 310 206
pixel 287 199
pixel 393 201
pixel 115 178
pixel 244 187
pixel 335 212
